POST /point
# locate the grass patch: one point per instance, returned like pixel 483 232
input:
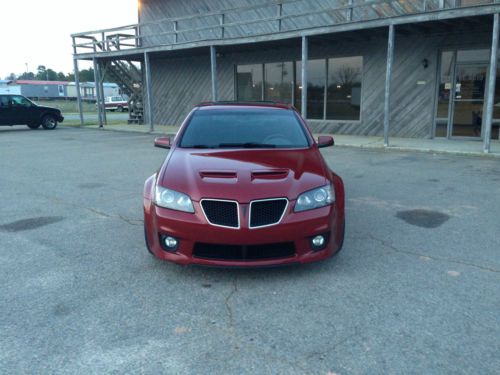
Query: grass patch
pixel 68 106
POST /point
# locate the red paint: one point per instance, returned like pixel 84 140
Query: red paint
pixel 244 175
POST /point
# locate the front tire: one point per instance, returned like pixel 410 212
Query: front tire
pixel 49 122
pixel 33 126
pixel 120 109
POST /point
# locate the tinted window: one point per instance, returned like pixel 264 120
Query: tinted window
pixel 4 101
pixel 20 101
pixel 244 128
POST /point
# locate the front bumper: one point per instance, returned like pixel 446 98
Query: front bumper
pixel 192 229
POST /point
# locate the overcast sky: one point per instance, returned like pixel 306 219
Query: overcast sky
pixel 37 32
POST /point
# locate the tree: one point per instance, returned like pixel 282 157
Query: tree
pixel 87 75
pixel 11 77
pixel 27 76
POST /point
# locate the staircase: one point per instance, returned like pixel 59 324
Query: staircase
pixel 129 79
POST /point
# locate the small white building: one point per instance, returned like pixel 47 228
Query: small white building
pixel 9 87
pixel 87 90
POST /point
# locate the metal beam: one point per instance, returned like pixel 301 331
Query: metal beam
pixel 147 73
pixel 387 99
pixel 492 77
pixel 97 92
pixel 213 63
pixel 78 94
pixel 305 58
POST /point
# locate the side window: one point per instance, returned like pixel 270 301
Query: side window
pixel 4 101
pixel 20 101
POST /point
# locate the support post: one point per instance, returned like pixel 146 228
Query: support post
pixel 387 99
pixel 103 97
pixel 97 92
pixel 147 69
pixel 78 93
pixel 492 77
pixel 305 58
pixel 213 62
pixel 279 15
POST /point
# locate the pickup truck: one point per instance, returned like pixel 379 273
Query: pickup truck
pixel 115 103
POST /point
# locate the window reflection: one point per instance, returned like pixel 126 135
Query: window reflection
pixel 316 79
pixel 249 82
pixel 343 94
pixel 279 82
pixel 344 88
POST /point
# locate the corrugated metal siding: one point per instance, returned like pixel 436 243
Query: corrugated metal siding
pixel 178 84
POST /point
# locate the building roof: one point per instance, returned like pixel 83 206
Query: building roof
pixel 45 83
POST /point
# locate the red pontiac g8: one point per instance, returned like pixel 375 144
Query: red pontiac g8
pixel 244 185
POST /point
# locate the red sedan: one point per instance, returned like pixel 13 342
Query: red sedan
pixel 244 185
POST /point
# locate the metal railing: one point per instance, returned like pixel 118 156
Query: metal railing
pixel 272 17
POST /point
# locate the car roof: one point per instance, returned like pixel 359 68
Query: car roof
pixel 244 104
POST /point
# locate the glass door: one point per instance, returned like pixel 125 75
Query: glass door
pixel 468 100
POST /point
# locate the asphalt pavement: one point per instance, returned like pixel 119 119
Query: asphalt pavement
pixel 416 289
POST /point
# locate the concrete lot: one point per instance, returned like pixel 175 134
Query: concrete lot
pixel 415 290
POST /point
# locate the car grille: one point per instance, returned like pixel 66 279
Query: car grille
pixel 221 213
pixel 244 253
pixel 267 212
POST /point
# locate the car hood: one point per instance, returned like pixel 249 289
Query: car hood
pixel 243 175
pixel 49 108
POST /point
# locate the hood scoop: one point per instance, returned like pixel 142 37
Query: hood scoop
pixel 218 174
pixel 270 174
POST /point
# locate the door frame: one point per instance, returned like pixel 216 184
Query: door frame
pixel 451 108
pixel 451 101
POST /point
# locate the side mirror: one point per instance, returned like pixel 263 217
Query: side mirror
pixel 325 141
pixel 163 142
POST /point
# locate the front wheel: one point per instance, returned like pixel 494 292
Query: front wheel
pixel 49 122
pixel 33 126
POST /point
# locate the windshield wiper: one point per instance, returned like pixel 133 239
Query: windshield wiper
pixel 247 145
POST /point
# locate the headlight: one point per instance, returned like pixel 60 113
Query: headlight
pixel 173 199
pixel 315 198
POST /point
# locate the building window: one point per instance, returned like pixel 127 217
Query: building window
pixel 249 82
pixel 339 79
pixel 344 88
pixel 278 85
pixel 316 80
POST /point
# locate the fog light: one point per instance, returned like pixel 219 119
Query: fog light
pixel 169 243
pixel 318 241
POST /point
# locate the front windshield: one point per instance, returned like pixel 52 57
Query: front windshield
pixel 244 128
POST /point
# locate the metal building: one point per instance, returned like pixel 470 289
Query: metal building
pixel 406 68
pixel 43 89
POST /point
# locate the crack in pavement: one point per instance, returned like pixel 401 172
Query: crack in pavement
pixel 228 305
pixel 324 353
pixel 134 222
pixel 408 252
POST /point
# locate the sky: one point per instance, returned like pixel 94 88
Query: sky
pixel 37 32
